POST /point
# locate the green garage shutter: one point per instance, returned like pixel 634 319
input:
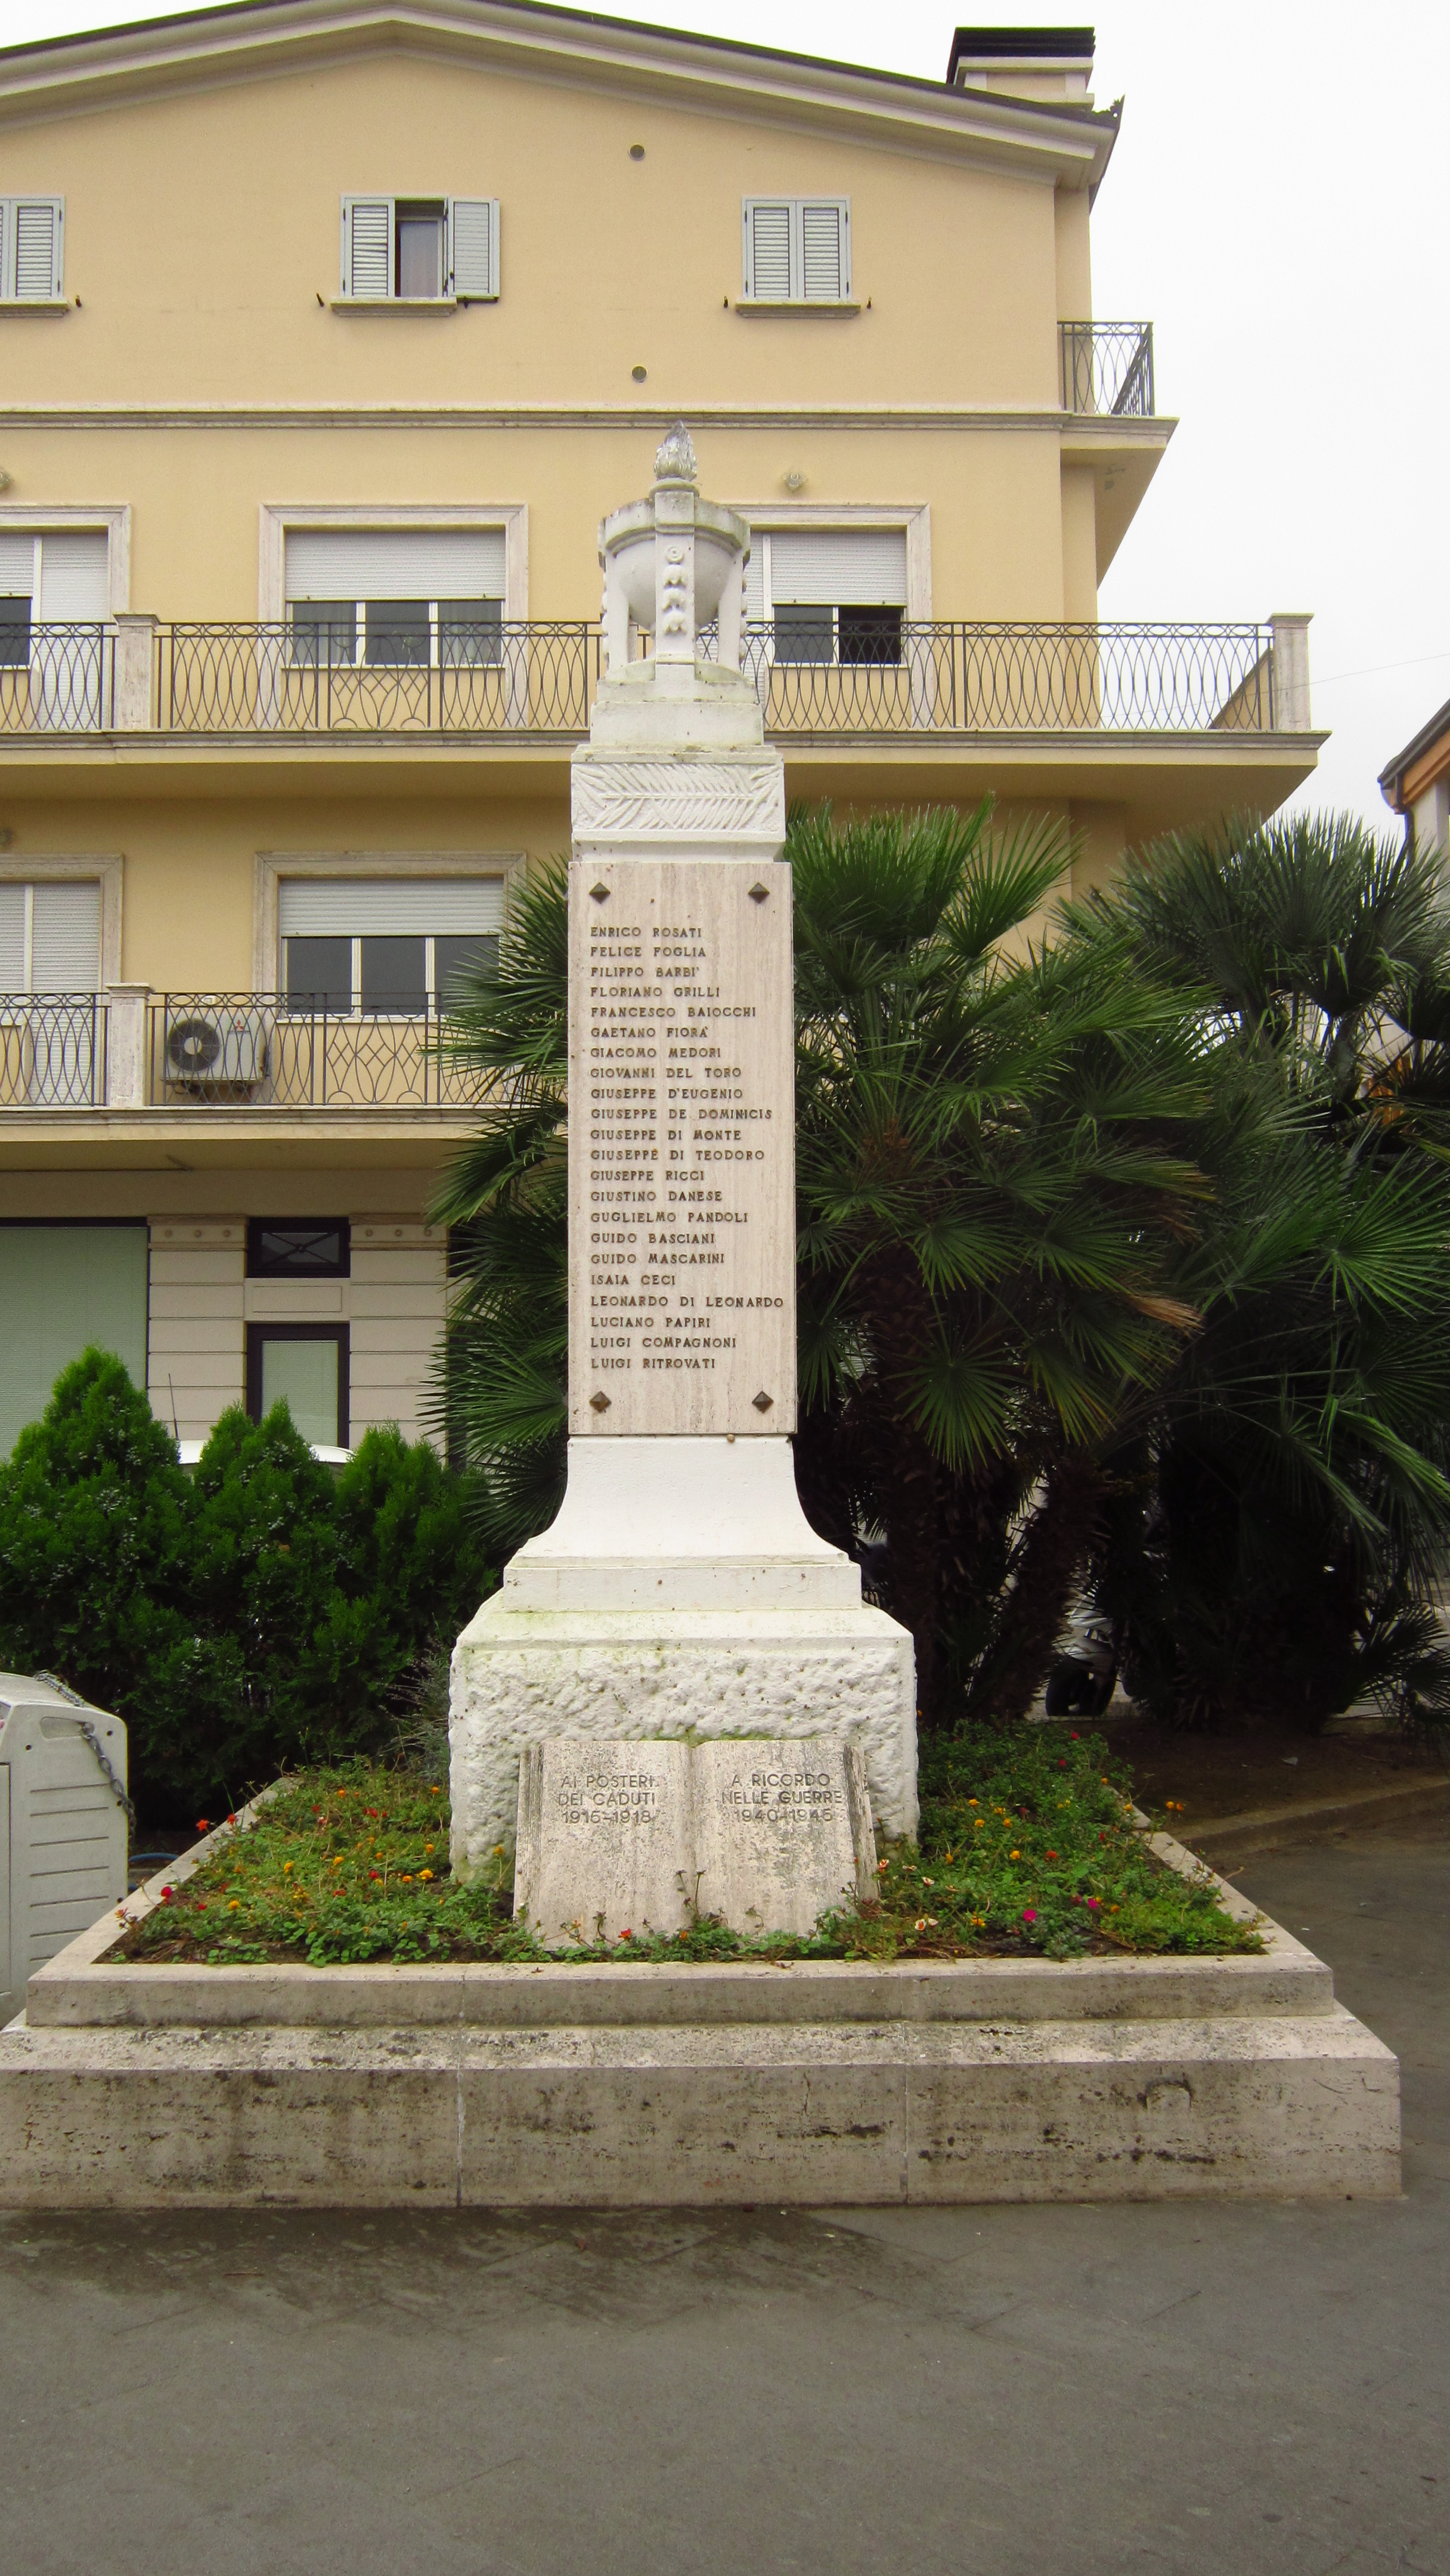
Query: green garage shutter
pixel 61 1287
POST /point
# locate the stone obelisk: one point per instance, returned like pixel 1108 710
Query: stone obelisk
pixel 681 1591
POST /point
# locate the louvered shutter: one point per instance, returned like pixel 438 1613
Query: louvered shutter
pixel 838 568
pixel 74 580
pixel 367 246
pixel 36 226
pixel 389 907
pixel 473 240
pixel 825 261
pixel 395 563
pixel 12 938
pixel 65 940
pixel 767 249
pixel 17 565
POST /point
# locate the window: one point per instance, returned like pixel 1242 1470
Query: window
pixel 299 1248
pixel 31 231
pixel 63 1287
pixel 829 595
pixel 50 937
pixel 396 598
pixel 424 250
pixel 797 250
pixel 305 1367
pixel 384 947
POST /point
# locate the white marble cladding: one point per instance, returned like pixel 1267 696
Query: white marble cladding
pixel 691 804
pixel 520 1677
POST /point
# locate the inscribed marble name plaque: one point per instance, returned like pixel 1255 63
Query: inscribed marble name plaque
pixel 681 1148
pixel 604 1839
pixel 765 1833
pixel 782 1831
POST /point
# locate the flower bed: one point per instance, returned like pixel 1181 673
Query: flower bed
pixel 1028 1848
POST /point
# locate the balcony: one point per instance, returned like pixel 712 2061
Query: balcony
pixel 1107 369
pixel 881 681
pixel 220 1053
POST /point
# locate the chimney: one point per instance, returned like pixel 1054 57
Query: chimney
pixel 1043 64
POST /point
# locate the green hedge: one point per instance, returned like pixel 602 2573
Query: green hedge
pixel 261 1612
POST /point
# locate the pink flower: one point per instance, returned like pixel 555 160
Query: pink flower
pixel 1092 1900
pixel 1028 1914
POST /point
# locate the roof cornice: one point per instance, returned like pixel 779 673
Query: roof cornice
pixel 1066 145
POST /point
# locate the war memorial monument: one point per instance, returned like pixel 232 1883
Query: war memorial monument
pixel 677 1704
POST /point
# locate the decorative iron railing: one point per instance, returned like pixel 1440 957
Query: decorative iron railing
pixel 277 1051
pixel 52 1050
pixel 57 679
pixel 1107 367
pixel 528 678
pixel 871 676
pixel 966 680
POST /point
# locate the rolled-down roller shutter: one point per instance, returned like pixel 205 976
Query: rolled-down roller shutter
pixel 395 563
pixel 389 907
pixel 50 938
pixel 838 568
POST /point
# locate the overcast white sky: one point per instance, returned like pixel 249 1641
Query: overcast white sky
pixel 1276 207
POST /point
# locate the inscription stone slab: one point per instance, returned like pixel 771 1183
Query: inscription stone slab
pixel 639 1837
pixel 782 1831
pixel 604 1834
pixel 681 1148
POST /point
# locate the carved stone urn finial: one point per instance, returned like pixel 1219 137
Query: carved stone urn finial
pixel 675 457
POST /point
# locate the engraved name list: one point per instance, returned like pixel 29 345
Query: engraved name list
pixel 681 1148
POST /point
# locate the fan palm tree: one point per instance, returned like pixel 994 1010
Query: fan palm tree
pixel 1278 1540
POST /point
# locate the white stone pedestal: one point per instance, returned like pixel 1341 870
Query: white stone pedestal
pixel 681 1592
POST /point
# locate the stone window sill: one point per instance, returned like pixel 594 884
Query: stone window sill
pixel 35 304
pixel 797 305
pixel 399 303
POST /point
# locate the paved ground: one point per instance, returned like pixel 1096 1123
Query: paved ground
pixel 1062 2392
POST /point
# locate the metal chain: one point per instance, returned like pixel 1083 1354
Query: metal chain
pixel 112 1777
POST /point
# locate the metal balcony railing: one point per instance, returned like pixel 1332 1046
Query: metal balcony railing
pixel 869 676
pixel 52 1050
pixel 275 1051
pixel 1107 367
pixel 57 679
pixel 536 678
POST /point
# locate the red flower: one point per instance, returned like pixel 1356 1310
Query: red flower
pixel 1028 1914
pixel 231 1820
pixel 626 1936
pixel 202 1826
pixel 1052 1855
pixel 166 1896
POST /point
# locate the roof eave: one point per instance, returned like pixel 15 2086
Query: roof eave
pixel 1069 144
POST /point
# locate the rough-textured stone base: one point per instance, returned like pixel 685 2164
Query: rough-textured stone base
pixel 520 1676
pixel 628 2117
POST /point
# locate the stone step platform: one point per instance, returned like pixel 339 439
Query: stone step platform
pixel 611 2087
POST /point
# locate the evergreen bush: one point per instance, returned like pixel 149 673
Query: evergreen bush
pixel 259 1613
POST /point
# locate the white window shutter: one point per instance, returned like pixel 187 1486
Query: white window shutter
pixel 825 250
pixel 367 246
pixel 37 262
pixel 7 248
pixel 66 939
pixel 389 907
pixel 767 249
pixel 473 249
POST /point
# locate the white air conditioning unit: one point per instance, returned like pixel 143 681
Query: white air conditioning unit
pixel 219 1054
pixel 63 1825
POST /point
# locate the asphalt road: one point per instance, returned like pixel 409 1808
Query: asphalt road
pixel 1024 2392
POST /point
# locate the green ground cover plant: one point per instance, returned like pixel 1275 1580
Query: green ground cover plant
pixel 1028 1849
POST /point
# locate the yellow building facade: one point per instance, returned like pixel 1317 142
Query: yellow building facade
pixel 329 330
